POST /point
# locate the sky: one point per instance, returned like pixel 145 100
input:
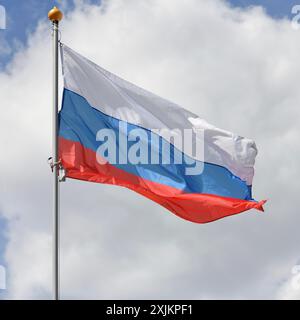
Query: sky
pixel 234 63
pixel 275 8
pixel 19 26
pixel 22 18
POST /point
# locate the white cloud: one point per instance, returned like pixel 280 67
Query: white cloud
pixel 290 288
pixel 236 68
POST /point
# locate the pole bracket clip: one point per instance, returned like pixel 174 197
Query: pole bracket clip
pixel 61 169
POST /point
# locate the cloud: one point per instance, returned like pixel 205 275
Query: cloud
pixel 236 68
pixel 290 288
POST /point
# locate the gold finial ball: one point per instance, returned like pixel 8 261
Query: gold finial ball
pixel 55 14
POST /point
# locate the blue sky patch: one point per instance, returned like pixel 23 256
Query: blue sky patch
pixel 275 8
pixel 21 19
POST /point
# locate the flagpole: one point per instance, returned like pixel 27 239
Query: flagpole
pixel 55 16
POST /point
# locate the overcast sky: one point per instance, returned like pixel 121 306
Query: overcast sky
pixel 233 64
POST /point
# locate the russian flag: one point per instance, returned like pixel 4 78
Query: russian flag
pixel 113 132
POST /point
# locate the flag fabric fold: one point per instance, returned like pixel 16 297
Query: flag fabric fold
pixel 113 132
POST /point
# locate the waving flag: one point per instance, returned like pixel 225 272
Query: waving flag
pixel 114 132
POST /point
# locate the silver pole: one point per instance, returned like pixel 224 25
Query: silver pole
pixel 55 15
pixel 55 166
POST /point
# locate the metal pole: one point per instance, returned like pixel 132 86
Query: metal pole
pixel 55 164
pixel 55 16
